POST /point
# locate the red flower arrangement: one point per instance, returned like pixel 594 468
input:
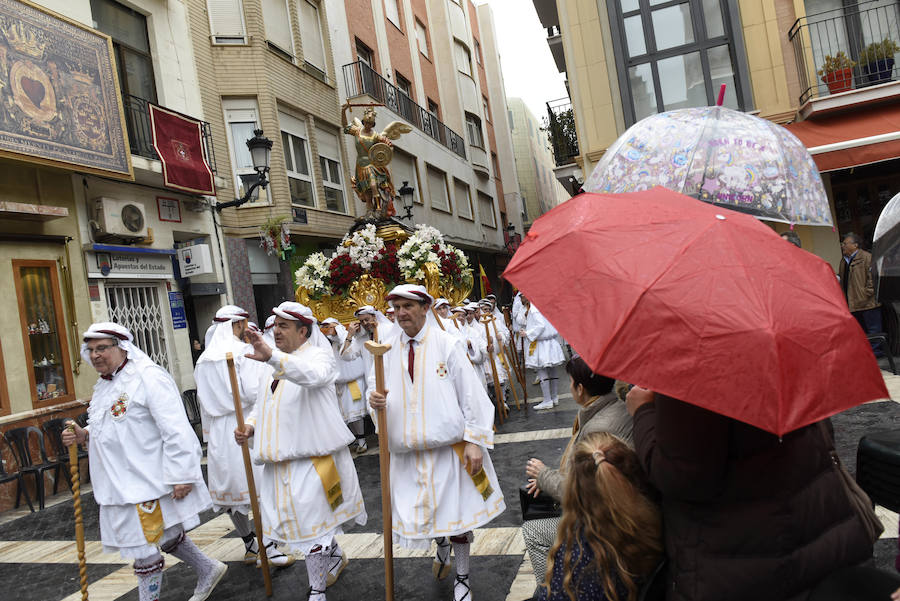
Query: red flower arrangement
pixel 386 267
pixel 343 273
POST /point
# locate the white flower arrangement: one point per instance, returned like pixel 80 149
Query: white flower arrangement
pixel 314 274
pixel 419 250
pixel 363 246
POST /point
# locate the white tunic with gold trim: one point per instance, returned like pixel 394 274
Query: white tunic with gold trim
pixel 542 348
pixel 225 461
pixel 301 439
pixel 445 404
pixel 350 383
pixel 141 445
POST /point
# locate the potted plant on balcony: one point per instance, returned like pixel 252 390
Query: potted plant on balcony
pixel 837 72
pixel 877 60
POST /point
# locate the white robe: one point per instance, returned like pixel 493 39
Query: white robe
pixel 225 460
pixel 296 422
pixel 432 494
pixel 542 348
pixel 352 370
pixel 141 445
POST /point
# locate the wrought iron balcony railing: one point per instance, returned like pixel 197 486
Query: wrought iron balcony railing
pixel 561 131
pixel 140 133
pixel 846 48
pixel 360 79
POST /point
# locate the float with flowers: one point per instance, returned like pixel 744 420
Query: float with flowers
pixel 375 257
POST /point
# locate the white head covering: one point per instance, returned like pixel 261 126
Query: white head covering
pixel 366 310
pixel 389 310
pixel 297 312
pixel 252 326
pixel 412 292
pixel 270 321
pixel 124 339
pixel 386 327
pixel 223 339
pixel 340 332
pixel 209 334
pixel 441 302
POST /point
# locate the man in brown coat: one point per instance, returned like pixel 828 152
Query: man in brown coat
pixel 859 289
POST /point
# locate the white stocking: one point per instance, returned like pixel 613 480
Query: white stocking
pixel 149 572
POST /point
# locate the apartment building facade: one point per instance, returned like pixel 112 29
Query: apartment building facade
pixel 435 65
pixel 540 189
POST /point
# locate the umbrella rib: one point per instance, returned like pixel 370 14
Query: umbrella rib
pixel 697 141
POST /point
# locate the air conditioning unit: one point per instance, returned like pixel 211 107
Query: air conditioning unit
pixel 122 218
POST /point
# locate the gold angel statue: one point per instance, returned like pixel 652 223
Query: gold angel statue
pixel 372 181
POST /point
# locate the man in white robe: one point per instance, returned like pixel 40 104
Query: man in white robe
pixel 309 488
pixel 543 353
pixel 145 462
pixel 225 461
pixel 498 342
pixel 443 483
pixel 350 383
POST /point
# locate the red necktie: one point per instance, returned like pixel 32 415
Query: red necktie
pixel 274 385
pixel 412 359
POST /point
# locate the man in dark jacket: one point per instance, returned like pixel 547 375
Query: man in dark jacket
pixel 747 515
pixel 859 287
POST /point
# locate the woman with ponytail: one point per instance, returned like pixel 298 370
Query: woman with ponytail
pixel 610 535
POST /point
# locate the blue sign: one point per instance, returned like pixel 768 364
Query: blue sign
pixel 176 304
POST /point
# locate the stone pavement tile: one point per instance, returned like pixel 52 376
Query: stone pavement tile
pixel 523 586
pixel 46 582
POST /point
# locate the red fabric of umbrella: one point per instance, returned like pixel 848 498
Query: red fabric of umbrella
pixel 699 303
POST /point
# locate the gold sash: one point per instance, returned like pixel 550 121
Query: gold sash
pixel 331 481
pixel 479 478
pixel 150 514
pixel 531 347
pixel 355 392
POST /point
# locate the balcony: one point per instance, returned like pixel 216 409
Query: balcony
pixel 140 133
pixel 360 79
pixel 554 40
pixel 864 35
pixel 561 131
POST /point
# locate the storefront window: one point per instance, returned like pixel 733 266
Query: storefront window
pixel 43 329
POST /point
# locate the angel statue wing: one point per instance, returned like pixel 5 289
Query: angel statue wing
pixel 357 123
pixel 395 129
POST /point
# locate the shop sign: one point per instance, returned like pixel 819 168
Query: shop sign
pixel 176 305
pixel 194 260
pixel 122 265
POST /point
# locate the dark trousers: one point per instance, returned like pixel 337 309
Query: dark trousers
pixel 870 321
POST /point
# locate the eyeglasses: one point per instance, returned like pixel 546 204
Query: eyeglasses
pixel 101 348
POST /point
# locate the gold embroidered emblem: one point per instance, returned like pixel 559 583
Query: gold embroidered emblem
pixel 119 408
pixel 150 514
pixel 331 480
pixel 355 392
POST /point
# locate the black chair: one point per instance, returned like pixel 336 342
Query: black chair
pixel 53 428
pixel 15 477
pixel 878 467
pixel 192 409
pixel 885 347
pixel 18 439
pixel 82 419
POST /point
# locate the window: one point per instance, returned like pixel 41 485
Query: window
pixel 463 58
pixel 486 210
pixel 242 118
pixel 392 12
pixel 405 169
pixel 463 198
pixel 226 21
pixel 277 22
pixel 676 55
pixel 486 108
pixel 131 45
pixel 403 84
pixel 433 108
pixel 138 308
pixel 496 165
pixel 364 54
pixel 44 329
pixel 295 142
pixel 437 189
pixel 473 127
pixel 422 38
pixel 311 35
pixel 330 163
pixel 477 51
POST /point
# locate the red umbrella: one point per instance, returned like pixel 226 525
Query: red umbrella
pixel 699 303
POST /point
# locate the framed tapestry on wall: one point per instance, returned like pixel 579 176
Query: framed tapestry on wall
pixel 59 94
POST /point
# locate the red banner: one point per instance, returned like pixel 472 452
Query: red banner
pixel 178 141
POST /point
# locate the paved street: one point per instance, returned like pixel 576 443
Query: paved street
pixel 38 562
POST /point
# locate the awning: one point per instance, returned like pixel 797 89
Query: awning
pixel 858 137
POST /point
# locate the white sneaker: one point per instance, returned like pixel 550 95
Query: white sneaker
pixel 555 402
pixel 548 404
pixel 276 558
pixel 202 592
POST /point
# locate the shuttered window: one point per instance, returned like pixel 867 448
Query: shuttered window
pixel 463 198
pixel 278 25
pixel 226 21
pixel 486 210
pixel 437 189
pixel 311 35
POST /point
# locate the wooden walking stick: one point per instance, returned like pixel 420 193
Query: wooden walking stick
pixel 498 390
pixel 248 468
pixel 510 366
pixel 79 519
pixel 438 318
pixel 513 351
pixel 384 459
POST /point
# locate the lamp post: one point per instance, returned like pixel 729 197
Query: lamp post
pixel 406 199
pixel 513 239
pixel 260 152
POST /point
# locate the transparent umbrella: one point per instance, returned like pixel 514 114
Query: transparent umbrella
pixel 886 251
pixel 720 156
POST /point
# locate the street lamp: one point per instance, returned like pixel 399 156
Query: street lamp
pixel 260 152
pixel 513 239
pixel 406 199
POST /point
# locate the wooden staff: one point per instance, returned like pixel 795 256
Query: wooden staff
pixel 384 459
pixel 510 371
pixel 248 468
pixel 438 318
pixel 498 390
pixel 520 369
pixel 79 518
